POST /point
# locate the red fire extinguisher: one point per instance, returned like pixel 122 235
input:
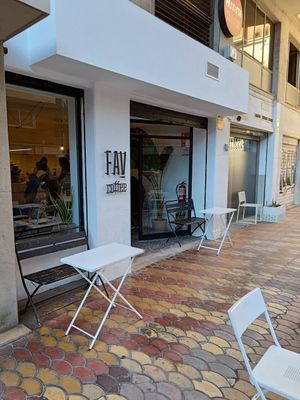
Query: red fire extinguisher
pixel 181 192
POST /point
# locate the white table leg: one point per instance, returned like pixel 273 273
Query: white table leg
pixel 95 286
pixel 81 304
pixel 117 292
pixel 123 298
pixel 225 232
pixel 205 232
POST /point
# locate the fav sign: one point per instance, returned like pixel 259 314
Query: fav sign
pixel 231 17
pixel 116 165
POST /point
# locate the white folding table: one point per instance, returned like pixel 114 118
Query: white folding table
pixel 212 214
pixel 99 262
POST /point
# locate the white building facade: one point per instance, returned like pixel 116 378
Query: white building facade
pixel 112 103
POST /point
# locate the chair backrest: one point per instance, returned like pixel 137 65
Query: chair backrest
pixel 242 314
pixel 242 197
pixel 246 310
pixel 37 245
pixel 174 206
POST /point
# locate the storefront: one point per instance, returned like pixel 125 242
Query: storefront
pixel 247 165
pixel 161 160
pixel 289 169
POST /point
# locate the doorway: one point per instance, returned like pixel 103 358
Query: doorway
pixel 244 170
pixel 160 160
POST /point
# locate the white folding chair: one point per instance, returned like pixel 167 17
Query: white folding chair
pixel 278 370
pixel 243 204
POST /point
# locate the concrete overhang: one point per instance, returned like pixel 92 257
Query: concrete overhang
pixel 141 91
pixel 118 44
pixel 17 15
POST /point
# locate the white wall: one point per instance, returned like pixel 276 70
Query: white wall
pixel 290 122
pixel 107 128
pixel 122 38
pixel 260 104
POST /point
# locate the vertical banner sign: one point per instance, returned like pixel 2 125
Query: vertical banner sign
pixel 231 17
pixel 116 165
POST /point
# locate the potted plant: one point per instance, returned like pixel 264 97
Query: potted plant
pixel 159 223
pixel 274 212
pixel 63 207
pixel 154 175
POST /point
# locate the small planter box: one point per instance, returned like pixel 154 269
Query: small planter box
pixel 274 214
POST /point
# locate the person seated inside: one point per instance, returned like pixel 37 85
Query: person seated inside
pixel 64 176
pixel 32 186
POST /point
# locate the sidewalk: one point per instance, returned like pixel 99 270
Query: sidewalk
pixel 184 348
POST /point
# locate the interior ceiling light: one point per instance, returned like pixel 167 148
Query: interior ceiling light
pixel 12 150
pixel 62 147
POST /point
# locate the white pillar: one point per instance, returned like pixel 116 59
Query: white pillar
pixel 274 155
pixel 217 167
pixel 107 128
pixel 199 169
pixel 8 296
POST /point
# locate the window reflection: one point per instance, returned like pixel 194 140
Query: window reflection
pixel 259 36
pixel 249 28
pixel 255 44
pixel 43 159
pixel 268 44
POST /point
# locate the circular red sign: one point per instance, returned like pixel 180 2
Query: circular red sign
pixel 231 17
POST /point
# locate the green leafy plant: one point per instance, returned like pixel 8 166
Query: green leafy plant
pixel 154 174
pixel 155 178
pixel 274 204
pixel 63 206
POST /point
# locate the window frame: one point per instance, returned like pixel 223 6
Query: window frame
pixel 251 57
pixel 12 78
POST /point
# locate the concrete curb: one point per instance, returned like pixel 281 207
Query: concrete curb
pixel 14 334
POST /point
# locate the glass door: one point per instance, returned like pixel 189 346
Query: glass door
pixel 163 161
pixel 243 170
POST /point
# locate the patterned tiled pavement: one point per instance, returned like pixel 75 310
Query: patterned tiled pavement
pixel 184 348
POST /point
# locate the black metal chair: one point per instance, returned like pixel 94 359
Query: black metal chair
pixel 39 244
pixel 182 214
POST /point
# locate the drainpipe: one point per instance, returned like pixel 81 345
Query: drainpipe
pixel 8 293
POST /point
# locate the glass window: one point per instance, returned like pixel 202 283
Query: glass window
pixel 165 153
pixel 268 44
pixel 288 169
pixel 293 65
pixel 249 27
pixel 43 159
pixel 256 42
pixel 238 40
pixel 259 35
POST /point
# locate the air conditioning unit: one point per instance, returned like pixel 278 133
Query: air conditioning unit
pixel 230 52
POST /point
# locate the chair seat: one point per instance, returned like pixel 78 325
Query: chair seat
pixel 279 371
pixel 250 205
pixel 51 275
pixel 188 221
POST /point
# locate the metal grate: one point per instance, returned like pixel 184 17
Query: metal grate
pixel 193 17
pixel 292 373
pixel 213 70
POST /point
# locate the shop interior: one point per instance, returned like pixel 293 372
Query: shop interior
pixel 42 143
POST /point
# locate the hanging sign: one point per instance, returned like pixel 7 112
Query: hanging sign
pixel 231 17
pixel 116 165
